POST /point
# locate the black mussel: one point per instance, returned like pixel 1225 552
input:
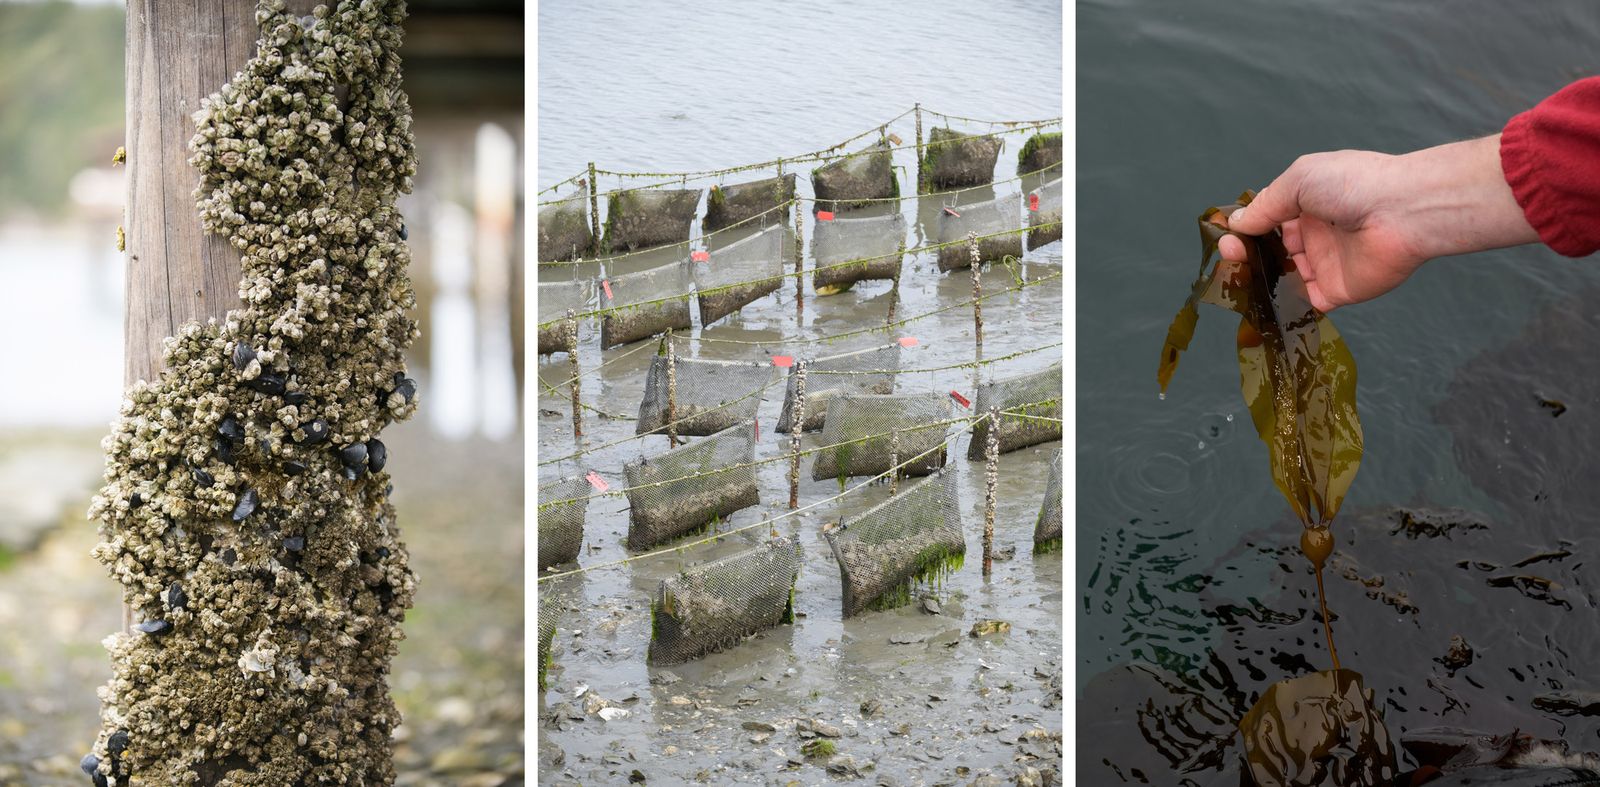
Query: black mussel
pixel 223 450
pixel 407 388
pixel 316 432
pixel 351 473
pixel 354 455
pixel 117 743
pixel 270 383
pixel 229 555
pixel 243 354
pixel 382 552
pixel 294 543
pixel 201 477
pixel 294 467
pixel 403 234
pixel 230 429
pixel 89 764
pixel 377 455
pixel 246 505
pixel 153 627
pixel 296 397
pixel 176 598
pixel 135 500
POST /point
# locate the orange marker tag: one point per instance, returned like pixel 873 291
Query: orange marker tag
pixel 908 341
pixel 783 360
pixel 824 215
pixel 1033 202
pixel 700 256
pixel 952 213
pixel 605 284
pixel 596 481
pixel 961 400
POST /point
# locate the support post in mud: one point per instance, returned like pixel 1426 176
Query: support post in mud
pixel 991 473
pixel 799 264
pixel 977 293
pixel 594 210
pixel 894 289
pixel 577 370
pixel 672 391
pixel 918 151
pixel 796 427
pixel 894 462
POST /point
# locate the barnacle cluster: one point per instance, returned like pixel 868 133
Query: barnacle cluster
pixel 245 509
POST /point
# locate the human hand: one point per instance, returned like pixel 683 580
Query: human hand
pixel 1358 223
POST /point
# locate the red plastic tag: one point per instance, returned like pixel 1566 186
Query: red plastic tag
pixel 824 215
pixel 952 212
pixel 596 481
pixel 908 341
pixel 1033 202
pixel 961 400
pixel 700 256
pixel 783 360
pixel 606 285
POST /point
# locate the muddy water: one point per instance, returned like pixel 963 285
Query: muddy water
pixel 716 87
pixel 1195 598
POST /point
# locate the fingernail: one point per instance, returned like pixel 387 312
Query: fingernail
pixel 1237 215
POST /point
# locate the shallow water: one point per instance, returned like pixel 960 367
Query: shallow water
pixel 965 702
pixel 1186 550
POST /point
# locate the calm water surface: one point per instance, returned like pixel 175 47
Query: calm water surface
pixel 1192 597
pixel 646 86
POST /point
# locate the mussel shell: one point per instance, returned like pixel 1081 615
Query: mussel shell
pixel 246 505
pixel 377 455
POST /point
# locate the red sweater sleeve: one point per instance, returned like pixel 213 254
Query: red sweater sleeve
pixel 1551 158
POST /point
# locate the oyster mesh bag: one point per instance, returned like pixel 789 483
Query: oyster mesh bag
pixel 1049 213
pixel 738 273
pixel 636 309
pixel 729 205
pixel 703 388
pixel 883 362
pixel 712 607
pixel 953 160
pixel 561 524
pixel 555 298
pixel 1041 151
pixel 646 218
pixel 702 486
pixel 913 537
pixel 549 611
pixel 1047 529
pixel 856 181
pixel 859 428
pixel 1001 214
pixel 564 230
pixel 870 244
pixel 1036 393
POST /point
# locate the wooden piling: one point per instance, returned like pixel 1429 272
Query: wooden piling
pixel 894 462
pixel 977 293
pixel 894 289
pixel 991 473
pixel 921 180
pixel 672 391
pixel 594 210
pixel 577 371
pixel 799 264
pixel 796 427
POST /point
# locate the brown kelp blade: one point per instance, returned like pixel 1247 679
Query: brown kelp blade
pixel 1295 371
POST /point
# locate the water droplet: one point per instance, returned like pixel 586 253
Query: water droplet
pixel 1162 395
pixel 1230 417
pixel 1202 444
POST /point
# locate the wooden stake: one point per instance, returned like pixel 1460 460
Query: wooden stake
pixel 977 293
pixel 920 178
pixel 799 264
pixel 796 427
pixel 594 210
pixel 672 391
pixel 991 473
pixel 894 462
pixel 894 289
pixel 572 362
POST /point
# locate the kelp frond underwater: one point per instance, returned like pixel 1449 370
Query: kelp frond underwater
pixel 1295 372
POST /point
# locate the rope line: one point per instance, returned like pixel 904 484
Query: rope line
pixel 661 429
pixel 972 421
pixel 600 312
pixel 962 365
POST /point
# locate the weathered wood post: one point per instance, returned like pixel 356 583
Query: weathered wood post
pixel 577 377
pixel 594 211
pixel 796 427
pixel 799 263
pixel 672 391
pixel 977 293
pixel 921 181
pixel 894 462
pixel 991 475
pixel 894 289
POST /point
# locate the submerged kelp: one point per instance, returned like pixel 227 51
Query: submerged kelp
pixel 1297 376
pixel 1322 728
pixel 245 510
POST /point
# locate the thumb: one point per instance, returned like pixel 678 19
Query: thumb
pixel 1277 203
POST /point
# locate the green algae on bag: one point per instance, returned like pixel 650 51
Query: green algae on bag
pixel 1042 151
pixel 1047 529
pixel 857 180
pixel 852 249
pixel 872 371
pixel 564 232
pixel 758 203
pixel 1044 215
pixel 647 218
pixel 714 606
pixel 997 223
pixel 688 488
pixel 912 538
pixel 739 271
pixel 644 304
pixel 710 396
pixel 858 431
pixel 952 160
pixel 555 299
pixel 1032 394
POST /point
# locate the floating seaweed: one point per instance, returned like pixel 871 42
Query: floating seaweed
pixel 1297 376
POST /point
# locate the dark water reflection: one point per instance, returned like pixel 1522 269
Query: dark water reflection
pixel 1193 597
